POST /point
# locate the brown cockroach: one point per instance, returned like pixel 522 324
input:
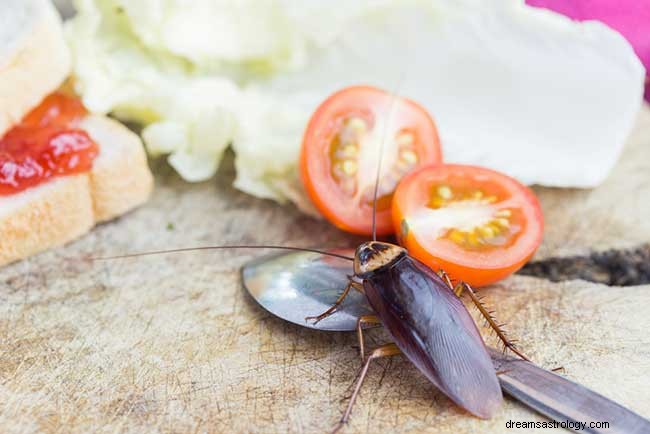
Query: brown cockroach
pixel 422 311
pixel 430 325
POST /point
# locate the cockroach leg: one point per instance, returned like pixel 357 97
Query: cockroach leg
pixel 356 285
pixel 444 276
pixel 364 319
pixel 458 290
pixel 337 303
pixel 383 351
pixel 333 307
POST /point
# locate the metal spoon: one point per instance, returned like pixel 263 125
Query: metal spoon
pixel 297 284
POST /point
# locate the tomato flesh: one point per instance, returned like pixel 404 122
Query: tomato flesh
pixel 341 149
pixel 46 143
pixel 476 224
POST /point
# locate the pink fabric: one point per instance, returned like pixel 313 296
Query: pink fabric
pixel 631 18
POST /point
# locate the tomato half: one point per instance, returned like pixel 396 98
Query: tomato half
pixel 340 154
pixel 476 224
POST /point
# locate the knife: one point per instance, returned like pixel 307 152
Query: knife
pixel 562 400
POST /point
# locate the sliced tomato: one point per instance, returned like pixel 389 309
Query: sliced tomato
pixel 476 224
pixel 340 154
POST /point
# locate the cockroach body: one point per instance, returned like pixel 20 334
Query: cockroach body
pixel 430 325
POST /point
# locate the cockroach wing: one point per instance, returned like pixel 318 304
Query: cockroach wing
pixel 435 331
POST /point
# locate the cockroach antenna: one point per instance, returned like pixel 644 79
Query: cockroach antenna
pixel 381 155
pixel 374 195
pixel 192 249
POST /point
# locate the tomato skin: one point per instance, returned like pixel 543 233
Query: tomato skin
pixel 315 163
pixel 476 268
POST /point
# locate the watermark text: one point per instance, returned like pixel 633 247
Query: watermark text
pixel 554 424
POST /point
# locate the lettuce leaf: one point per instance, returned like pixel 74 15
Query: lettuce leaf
pixel 511 87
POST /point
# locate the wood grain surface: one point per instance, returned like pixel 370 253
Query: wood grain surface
pixel 172 344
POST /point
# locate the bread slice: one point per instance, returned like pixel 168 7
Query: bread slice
pixel 62 209
pixel 120 179
pixel 34 58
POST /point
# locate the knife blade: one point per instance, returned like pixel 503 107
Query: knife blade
pixel 561 399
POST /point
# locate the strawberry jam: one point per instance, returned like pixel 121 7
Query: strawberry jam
pixel 45 144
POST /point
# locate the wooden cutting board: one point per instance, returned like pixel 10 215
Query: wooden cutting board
pixel 174 345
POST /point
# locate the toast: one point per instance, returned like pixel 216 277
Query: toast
pixel 34 58
pixel 64 208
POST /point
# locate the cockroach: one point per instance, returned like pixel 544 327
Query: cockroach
pixel 422 311
pixel 429 324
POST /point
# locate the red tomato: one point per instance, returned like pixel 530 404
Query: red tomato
pixel 340 154
pixel 476 224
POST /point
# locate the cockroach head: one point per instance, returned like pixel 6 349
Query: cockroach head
pixel 373 255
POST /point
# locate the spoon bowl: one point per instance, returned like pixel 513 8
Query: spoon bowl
pixel 299 284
